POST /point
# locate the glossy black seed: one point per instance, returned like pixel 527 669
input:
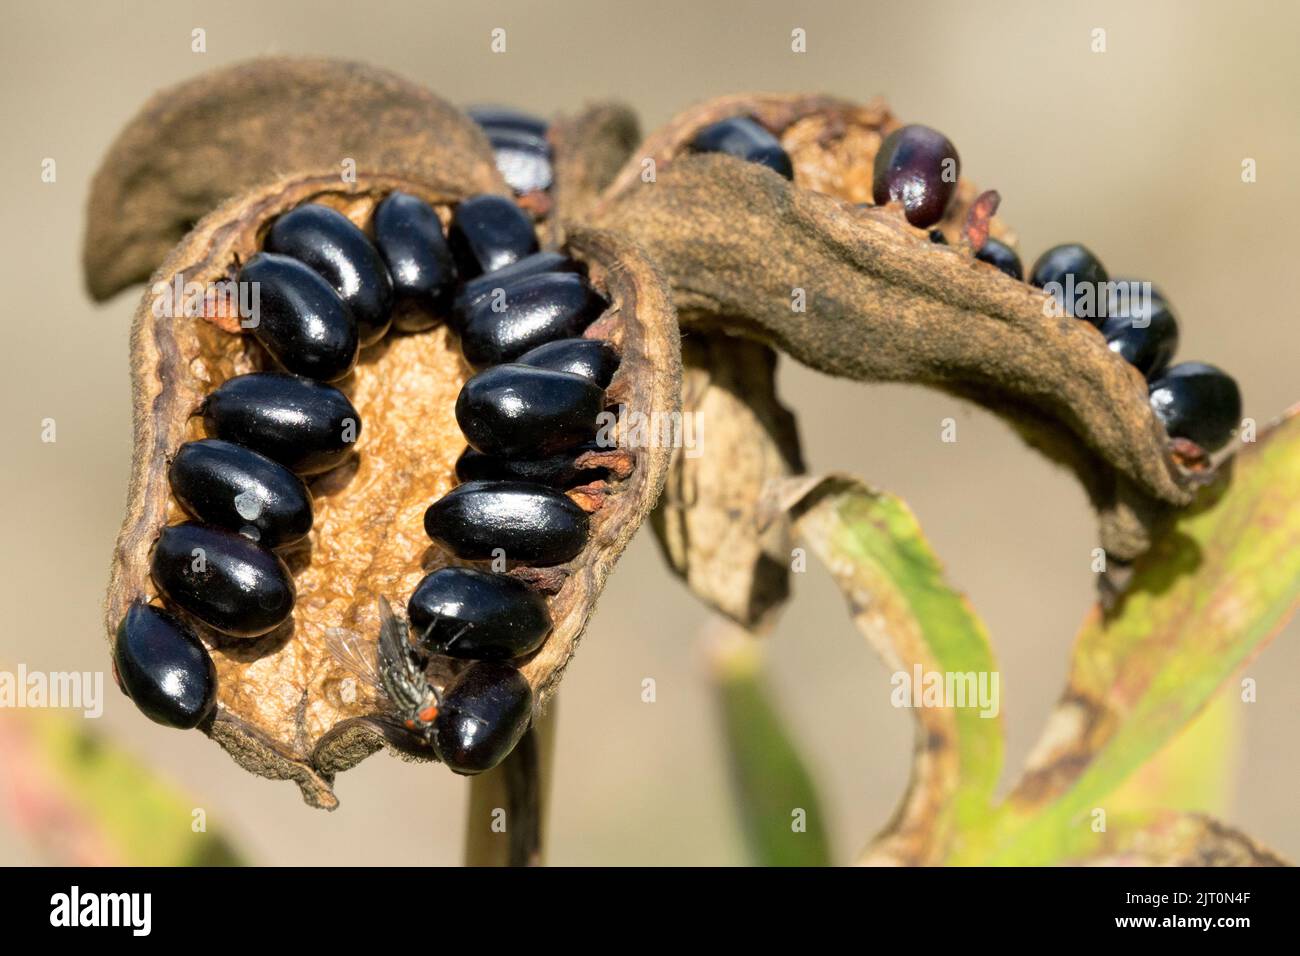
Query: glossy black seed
pixel 938 238
pixel 594 359
pixel 474 615
pixel 223 579
pixel 517 411
pixel 484 713
pixel 488 233
pixel 530 523
pixel 236 488
pixel 532 311
pixel 331 244
pixel 301 320
pixel 504 117
pixel 164 668
pixel 743 138
pixel 523 159
pixel 1199 402
pixel 1143 330
pixel 556 471
pixel 918 167
pixel 410 239
pixel 999 254
pixel 1075 276
pixel 304 425
pixel 479 288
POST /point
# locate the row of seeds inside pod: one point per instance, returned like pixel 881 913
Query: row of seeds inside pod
pixel 919 167
pixel 325 290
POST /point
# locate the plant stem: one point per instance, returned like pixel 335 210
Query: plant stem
pixel 519 787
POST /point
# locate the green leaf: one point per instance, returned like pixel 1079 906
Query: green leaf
pixel 1202 602
pixel 84 801
pixel 775 794
pixel 900 600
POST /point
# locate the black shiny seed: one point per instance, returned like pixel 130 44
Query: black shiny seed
pixel 330 243
pixel 301 321
pixel 556 471
pixel 999 254
pixel 938 238
pixel 595 359
pixel 410 239
pixel 1076 278
pixel 743 138
pixel 484 713
pixel 523 159
pixel 504 117
pixel 304 425
pixel 516 411
pixel 1197 401
pixel 164 668
pixel 235 488
pixel 488 233
pixel 223 579
pixel 481 287
pixel 918 167
pixel 474 615
pixel 530 523
pixel 528 313
pixel 1143 331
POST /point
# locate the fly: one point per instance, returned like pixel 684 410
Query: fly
pixel 392 668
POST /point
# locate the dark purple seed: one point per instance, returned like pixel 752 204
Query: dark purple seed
pixel 474 615
pixel 523 159
pixel 918 167
pixel 594 359
pixel 528 523
pixel 520 412
pixel 1001 255
pixel 555 471
pixel 1076 278
pixel 410 239
pixel 235 488
pixel 1140 326
pixel 505 117
pixel 301 320
pixel 164 668
pixel 528 313
pixel 743 138
pixel 304 425
pixel 484 713
pixel 223 579
pixel 329 242
pixel 488 233
pixel 1199 402
pixel 479 288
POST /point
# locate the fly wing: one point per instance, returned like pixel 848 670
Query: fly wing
pixel 355 655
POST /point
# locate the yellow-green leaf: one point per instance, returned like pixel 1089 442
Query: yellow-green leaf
pixel 900 600
pixel 1208 595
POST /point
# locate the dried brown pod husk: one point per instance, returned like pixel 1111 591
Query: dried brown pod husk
pixel 202 141
pixel 884 303
pixel 286 708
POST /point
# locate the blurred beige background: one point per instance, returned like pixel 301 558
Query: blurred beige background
pixel 1136 152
